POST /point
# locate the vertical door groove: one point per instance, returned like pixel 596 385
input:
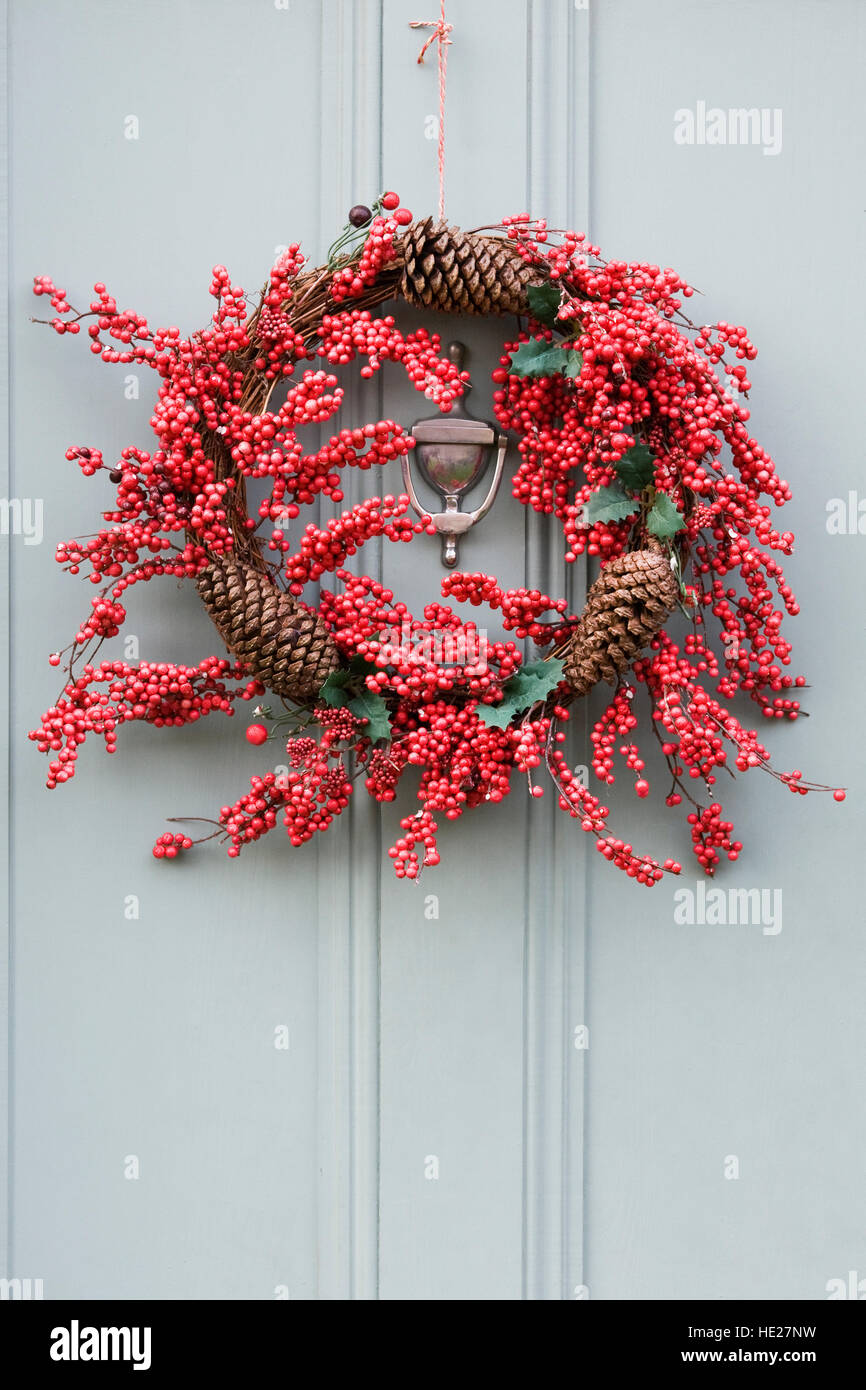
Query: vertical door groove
pixel 348 872
pixel 5 640
pixel 557 862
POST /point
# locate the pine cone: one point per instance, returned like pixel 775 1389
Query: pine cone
pixel 627 605
pixel 285 646
pixel 459 273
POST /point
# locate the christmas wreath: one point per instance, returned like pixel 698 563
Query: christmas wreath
pixel 626 434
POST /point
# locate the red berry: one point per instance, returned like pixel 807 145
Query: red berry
pixel 257 734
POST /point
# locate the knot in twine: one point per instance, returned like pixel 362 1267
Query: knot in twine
pixel 441 30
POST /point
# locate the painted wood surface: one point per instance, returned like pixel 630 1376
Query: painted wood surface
pixel 436 1128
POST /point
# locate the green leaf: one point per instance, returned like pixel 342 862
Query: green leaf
pixel 611 504
pixel 360 666
pixel 574 365
pixel 526 687
pixel 334 692
pixel 537 358
pixel 535 680
pixel 664 519
pixel 494 716
pixel 372 707
pixel 544 302
pixel 636 468
pixel 340 686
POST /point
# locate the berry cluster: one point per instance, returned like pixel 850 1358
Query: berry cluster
pixel 582 805
pixel 316 794
pixel 378 251
pixel 414 660
pixel 254 813
pixel 419 829
pixel 277 335
pixel 522 609
pixel 104 621
pixel 346 335
pixel 709 834
pixel 340 724
pixel 616 723
pixel 106 696
pixel 325 549
pixel 383 773
pixel 169 846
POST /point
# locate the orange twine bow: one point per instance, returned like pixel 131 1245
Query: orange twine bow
pixel 441 29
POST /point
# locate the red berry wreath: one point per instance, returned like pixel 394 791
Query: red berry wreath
pixel 626 434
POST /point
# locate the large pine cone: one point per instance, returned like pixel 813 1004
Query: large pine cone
pixel 449 270
pixel 285 646
pixel 627 605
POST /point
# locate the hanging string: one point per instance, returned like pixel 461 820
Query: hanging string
pixel 441 29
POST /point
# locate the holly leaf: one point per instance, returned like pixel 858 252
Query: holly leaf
pixel 535 681
pixel 341 685
pixel 334 692
pixel 494 716
pixel 574 365
pixel 360 666
pixel 635 469
pixel 544 302
pixel 610 504
pixel 664 518
pixel 538 358
pixel 372 707
pixel 525 688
